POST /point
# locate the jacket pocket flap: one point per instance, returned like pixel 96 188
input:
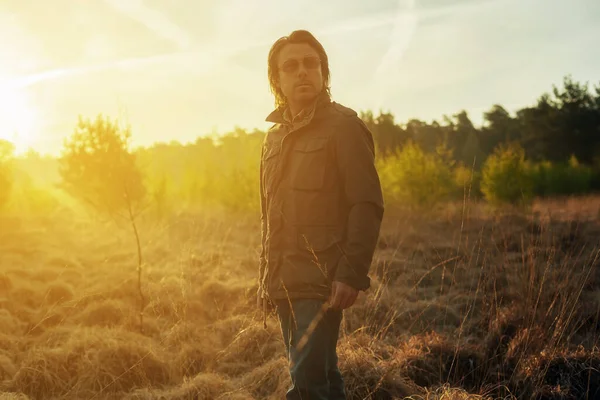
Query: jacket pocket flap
pixel 311 145
pixel 318 238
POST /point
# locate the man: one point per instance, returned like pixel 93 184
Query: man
pixel 321 211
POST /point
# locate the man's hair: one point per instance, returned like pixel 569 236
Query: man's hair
pixel 296 37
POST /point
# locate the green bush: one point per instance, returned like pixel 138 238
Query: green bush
pixel 506 176
pixel 415 178
pixel 97 167
pixel 467 181
pixel 570 178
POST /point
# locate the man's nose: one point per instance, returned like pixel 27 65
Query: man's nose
pixel 301 70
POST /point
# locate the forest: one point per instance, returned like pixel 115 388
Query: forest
pixel 550 148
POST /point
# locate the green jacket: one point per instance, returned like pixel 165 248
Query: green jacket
pixel 321 203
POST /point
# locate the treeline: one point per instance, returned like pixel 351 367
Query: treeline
pixel 550 148
pixel 562 124
pixel 211 172
pixel 547 149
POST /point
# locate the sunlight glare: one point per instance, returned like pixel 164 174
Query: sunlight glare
pixel 18 118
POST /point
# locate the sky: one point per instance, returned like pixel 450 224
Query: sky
pixel 179 69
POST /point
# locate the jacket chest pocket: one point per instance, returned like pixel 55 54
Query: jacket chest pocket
pixel 271 158
pixel 309 161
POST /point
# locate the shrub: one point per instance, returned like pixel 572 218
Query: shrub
pixel 506 176
pixel 416 178
pixel 562 178
pixel 467 181
pixel 98 168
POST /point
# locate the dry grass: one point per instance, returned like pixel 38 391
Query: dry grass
pixel 465 304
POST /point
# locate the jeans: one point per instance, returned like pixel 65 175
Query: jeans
pixel 310 334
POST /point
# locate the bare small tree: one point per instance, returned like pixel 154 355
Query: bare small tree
pixel 98 167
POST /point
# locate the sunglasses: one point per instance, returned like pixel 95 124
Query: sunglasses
pixel 293 64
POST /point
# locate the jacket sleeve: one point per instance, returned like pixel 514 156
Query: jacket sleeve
pixel 355 158
pixel 263 230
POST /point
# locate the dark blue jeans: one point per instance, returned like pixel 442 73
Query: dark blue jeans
pixel 310 333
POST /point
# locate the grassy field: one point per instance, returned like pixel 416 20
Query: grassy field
pixel 465 304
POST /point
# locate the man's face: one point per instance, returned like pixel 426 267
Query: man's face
pixel 300 77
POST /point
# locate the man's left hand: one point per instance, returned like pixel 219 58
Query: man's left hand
pixel 342 296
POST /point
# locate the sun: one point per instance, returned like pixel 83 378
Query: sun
pixel 18 118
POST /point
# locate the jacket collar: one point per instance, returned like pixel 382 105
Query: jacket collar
pixel 278 116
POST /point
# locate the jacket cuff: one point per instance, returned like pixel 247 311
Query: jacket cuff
pixel 345 273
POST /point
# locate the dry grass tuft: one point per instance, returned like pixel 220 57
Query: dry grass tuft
pixel 528 341
pixel 226 329
pixel 185 332
pixel 70 276
pixel 372 372
pixel 9 324
pixel 7 368
pixel 26 296
pixel 126 290
pixel 5 283
pixel 55 337
pixel 15 272
pixel 46 320
pixel 58 292
pixel 432 360
pixel 564 375
pixel 193 358
pixel 446 392
pixel 268 381
pixel 8 342
pixel 423 316
pixel 46 372
pixel 217 297
pixel 107 313
pixel 45 275
pixel 13 396
pixel 100 359
pixel 200 387
pixel 193 349
pixel 172 298
pixel 249 349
